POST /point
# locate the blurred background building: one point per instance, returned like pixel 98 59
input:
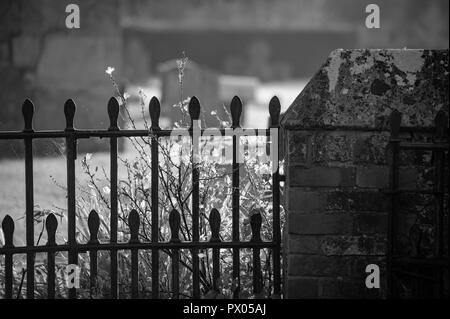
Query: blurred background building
pixel 253 48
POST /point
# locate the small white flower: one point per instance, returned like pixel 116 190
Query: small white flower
pixel 126 95
pixel 141 92
pixel 213 113
pixel 106 190
pixel 109 70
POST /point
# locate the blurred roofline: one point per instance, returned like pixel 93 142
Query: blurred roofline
pixel 163 26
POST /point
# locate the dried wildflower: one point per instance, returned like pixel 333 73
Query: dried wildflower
pixel 87 157
pixel 181 64
pixel 141 93
pixel 110 70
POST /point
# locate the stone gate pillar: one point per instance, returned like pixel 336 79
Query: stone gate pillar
pixel 336 134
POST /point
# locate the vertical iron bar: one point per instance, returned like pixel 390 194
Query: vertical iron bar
pixel 133 222
pixel 175 273
pixel 8 231
pixel 236 109
pixel 274 110
pixel 51 275
pixel 214 221
pixel 93 273
pixel 154 111
pixel 113 113
pixel 134 274
pixel 235 216
pixel 8 275
pixel 28 112
pixel 255 224
pixel 174 223
pixel 114 215
pixel 194 112
pixel 69 112
pixel 155 217
pixel 73 256
pixel 29 215
pixel 93 225
pixel 256 271
pixel 276 233
pixel 195 228
pixel 51 224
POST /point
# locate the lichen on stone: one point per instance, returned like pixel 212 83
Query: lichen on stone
pixel 361 62
pixel 362 87
pixel 332 69
pixel 408 61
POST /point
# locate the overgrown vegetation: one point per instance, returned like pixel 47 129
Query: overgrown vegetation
pixel 175 192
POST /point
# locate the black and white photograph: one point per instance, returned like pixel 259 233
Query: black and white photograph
pixel 261 152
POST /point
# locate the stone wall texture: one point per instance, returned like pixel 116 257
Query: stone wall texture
pixel 336 154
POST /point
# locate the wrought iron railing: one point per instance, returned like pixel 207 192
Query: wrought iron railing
pixel 93 246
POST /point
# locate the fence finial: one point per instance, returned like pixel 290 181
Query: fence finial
pixel 194 109
pixel 133 222
pixel 69 113
pixel 28 112
pixel 214 222
pixel 8 230
pixel 174 223
pixel 113 113
pixel 441 123
pixel 395 122
pixel 255 224
pixel 154 108
pixel 236 110
pixel 93 225
pixel 274 111
pixel 51 224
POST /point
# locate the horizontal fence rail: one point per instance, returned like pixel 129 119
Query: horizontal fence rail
pixel 93 246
